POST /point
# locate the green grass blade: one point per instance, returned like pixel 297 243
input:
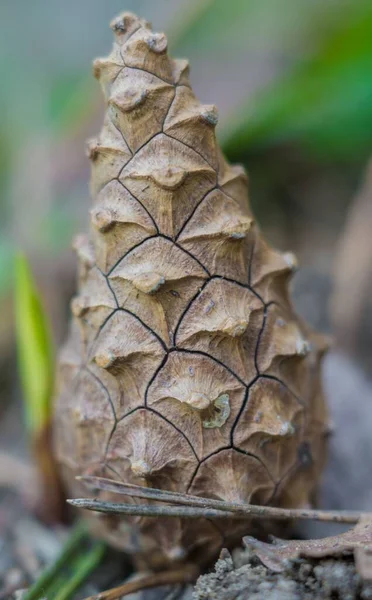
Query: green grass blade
pixel 40 587
pixel 82 569
pixel 34 348
pixel 60 580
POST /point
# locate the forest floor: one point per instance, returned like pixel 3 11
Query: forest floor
pixel 26 546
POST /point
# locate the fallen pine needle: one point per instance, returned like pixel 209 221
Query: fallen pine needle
pixel 195 507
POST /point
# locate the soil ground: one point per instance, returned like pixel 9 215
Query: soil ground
pixel 243 577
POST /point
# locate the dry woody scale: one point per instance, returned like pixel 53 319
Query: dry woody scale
pixel 186 368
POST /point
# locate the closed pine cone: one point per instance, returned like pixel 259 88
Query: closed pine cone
pixel 186 368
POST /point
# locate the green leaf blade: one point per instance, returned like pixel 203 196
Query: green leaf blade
pixel 34 348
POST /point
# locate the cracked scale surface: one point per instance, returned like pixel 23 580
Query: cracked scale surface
pixel 186 367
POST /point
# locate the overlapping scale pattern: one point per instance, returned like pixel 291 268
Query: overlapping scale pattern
pixel 186 367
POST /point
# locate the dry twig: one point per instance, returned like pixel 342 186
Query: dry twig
pixel 186 574
pixel 196 507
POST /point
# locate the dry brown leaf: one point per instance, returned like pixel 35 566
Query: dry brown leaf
pixel 356 541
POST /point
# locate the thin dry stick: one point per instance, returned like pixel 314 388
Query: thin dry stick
pixel 187 574
pixel 196 506
pixel 147 510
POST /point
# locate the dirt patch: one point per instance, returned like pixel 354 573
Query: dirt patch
pixel 243 577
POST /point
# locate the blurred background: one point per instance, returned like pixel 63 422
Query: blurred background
pixel 293 83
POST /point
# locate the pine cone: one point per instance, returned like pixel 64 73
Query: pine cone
pixel 186 367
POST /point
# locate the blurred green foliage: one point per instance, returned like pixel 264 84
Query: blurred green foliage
pixel 220 27
pixel 324 104
pixel 69 97
pixel 34 349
